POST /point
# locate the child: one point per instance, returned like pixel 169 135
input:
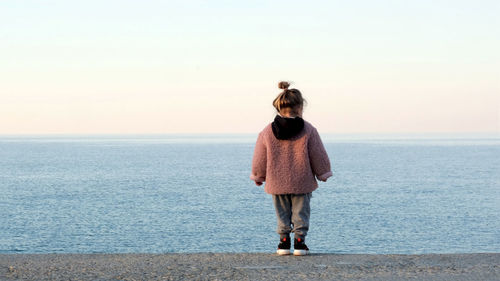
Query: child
pixel 288 155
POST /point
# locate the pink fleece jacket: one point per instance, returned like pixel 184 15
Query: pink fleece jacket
pixel 290 166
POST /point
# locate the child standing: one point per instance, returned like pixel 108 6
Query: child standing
pixel 288 156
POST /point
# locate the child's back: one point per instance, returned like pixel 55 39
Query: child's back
pixel 289 166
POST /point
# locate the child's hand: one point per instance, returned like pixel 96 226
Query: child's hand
pixel 258 183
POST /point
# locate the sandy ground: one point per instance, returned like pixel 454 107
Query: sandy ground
pixel 249 267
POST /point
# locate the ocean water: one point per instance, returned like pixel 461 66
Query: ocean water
pixel 192 193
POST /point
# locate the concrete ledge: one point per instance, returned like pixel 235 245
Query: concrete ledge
pixel 208 266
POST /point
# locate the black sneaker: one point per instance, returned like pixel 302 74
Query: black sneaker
pixel 284 246
pixel 300 247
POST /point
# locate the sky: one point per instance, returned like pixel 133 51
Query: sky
pixel 148 67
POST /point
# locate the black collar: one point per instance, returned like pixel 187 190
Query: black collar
pixel 285 128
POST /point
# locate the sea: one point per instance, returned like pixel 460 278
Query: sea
pixel 390 194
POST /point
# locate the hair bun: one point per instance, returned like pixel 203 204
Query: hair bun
pixel 283 85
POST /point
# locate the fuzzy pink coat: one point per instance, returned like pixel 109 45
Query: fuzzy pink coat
pixel 290 166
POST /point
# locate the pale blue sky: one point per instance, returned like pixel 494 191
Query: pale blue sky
pixel 213 66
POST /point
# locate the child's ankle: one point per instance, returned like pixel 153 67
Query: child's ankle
pixel 284 236
pixel 300 238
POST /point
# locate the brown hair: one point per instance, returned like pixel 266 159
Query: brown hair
pixel 289 98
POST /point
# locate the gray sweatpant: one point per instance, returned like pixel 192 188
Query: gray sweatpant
pixel 292 209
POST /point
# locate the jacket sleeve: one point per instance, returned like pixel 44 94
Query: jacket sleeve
pixel 320 163
pixel 259 161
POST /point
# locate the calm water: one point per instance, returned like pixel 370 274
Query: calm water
pixel 192 194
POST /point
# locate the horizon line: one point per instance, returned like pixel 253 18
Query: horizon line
pixel 402 134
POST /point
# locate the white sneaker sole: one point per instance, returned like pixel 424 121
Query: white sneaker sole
pixel 300 252
pixel 282 252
